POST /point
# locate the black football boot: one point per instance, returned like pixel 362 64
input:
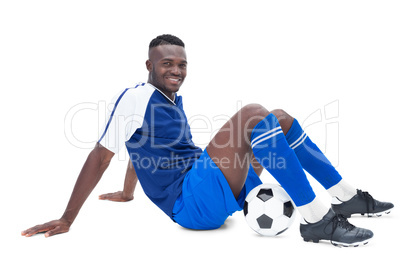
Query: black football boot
pixel 362 203
pixel 336 229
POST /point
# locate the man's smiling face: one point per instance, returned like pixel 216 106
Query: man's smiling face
pixel 167 66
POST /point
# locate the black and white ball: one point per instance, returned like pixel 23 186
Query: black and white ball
pixel 269 210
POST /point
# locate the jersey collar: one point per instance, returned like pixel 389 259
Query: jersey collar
pixel 172 101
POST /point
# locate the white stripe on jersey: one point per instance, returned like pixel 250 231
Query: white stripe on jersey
pixel 126 117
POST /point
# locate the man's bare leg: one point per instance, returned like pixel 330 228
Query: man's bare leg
pixel 230 149
pixel 232 152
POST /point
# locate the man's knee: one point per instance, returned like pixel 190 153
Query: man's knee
pixel 254 109
pixel 285 120
pixel 281 114
pixel 253 113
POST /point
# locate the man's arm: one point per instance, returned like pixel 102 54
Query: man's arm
pixel 97 162
pixel 129 186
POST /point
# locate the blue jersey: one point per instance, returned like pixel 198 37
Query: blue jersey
pixel 157 136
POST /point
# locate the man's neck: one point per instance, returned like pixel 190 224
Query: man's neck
pixel 169 95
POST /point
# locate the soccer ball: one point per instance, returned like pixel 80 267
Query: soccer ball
pixel 268 210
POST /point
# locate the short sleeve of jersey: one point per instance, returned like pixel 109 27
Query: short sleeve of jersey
pixel 126 117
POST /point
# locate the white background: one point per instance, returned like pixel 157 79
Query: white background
pixel 300 56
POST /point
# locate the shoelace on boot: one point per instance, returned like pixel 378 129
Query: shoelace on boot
pixel 340 221
pixel 369 199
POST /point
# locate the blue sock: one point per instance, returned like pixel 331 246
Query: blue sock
pixel 272 151
pixel 311 158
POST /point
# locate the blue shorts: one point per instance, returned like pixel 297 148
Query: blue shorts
pixel 206 200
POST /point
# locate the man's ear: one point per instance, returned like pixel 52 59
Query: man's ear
pixel 148 63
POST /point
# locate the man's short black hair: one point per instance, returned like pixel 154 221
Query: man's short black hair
pixel 166 39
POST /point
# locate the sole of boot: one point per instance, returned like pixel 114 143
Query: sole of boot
pixel 339 244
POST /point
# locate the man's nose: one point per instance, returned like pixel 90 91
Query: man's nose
pixel 175 70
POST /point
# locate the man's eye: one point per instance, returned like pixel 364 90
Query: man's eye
pixel 166 63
